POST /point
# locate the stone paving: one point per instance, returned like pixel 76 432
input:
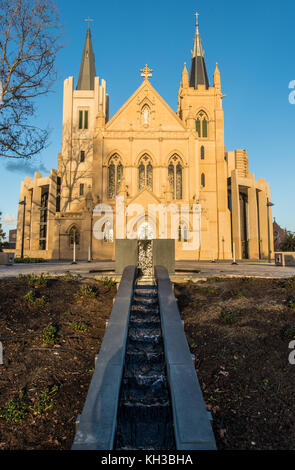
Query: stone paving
pixel 187 269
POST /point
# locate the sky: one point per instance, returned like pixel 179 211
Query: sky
pixel 253 43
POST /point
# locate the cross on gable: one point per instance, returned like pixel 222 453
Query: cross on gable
pixel 146 72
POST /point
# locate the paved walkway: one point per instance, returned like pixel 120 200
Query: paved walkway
pixel 187 268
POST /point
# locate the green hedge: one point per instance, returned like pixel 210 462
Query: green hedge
pixel 29 260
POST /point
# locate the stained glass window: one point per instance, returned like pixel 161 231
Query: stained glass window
pixel 145 173
pixel 202 153
pixel 115 175
pixel 203 180
pixel 175 177
pixel 202 124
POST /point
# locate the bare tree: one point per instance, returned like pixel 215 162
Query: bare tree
pixel 29 42
pixel 2 234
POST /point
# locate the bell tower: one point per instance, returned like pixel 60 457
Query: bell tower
pixel 81 108
pixel 201 102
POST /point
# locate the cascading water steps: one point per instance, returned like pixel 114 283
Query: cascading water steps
pixel 144 419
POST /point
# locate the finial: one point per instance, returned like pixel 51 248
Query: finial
pixel 197 20
pixel 89 20
pixel 146 72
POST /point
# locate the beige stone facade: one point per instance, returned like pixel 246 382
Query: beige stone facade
pixel 147 154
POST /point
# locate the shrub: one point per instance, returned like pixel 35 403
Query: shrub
pixel 45 401
pixel 290 283
pixel 228 317
pixel 291 301
pixel 32 301
pixel 108 282
pixel 80 326
pixel 206 290
pixel 15 409
pixel 85 292
pixel 49 334
pixel 35 281
pixel 290 332
pixel 30 260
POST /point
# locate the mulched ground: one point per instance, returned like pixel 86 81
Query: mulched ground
pixel 33 367
pixel 239 330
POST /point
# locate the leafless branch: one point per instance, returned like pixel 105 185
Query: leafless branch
pixel 29 42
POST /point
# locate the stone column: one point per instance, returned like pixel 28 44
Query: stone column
pixel 236 224
pixel 253 244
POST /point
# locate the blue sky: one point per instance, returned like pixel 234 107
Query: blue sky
pixel 253 43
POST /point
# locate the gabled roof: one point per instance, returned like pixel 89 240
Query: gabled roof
pixel 148 86
pixel 87 67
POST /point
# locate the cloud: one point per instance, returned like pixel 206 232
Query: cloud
pixel 26 167
pixel 9 219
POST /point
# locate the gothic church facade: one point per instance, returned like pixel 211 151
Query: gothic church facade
pixel 147 154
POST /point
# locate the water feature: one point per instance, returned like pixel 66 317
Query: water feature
pixel 144 419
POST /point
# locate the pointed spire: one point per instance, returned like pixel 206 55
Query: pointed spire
pixel 185 77
pixel 198 72
pixel 217 81
pixel 87 67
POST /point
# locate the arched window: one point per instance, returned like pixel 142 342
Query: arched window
pixel 74 234
pixel 175 177
pixel 115 174
pixel 202 153
pixel 203 180
pixel 145 173
pixel 202 124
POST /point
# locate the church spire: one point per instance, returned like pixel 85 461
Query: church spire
pixel 198 72
pixel 87 67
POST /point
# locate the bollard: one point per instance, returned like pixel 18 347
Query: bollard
pixel 213 259
pixel 234 255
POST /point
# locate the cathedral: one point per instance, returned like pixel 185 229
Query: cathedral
pixel 145 155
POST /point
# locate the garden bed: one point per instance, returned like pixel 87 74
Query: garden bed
pixel 239 331
pixel 51 330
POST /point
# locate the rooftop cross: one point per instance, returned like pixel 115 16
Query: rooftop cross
pixel 197 19
pixel 89 20
pixel 146 72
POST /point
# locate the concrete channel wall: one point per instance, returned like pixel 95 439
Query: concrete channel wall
pixel 97 423
pixel 192 426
